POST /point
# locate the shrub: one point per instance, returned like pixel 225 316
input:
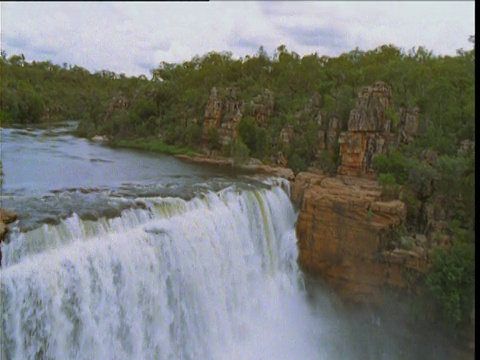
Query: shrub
pixel 240 152
pixel 144 108
pixel 420 178
pixel 395 163
pixel 85 129
pixel 452 280
pixel 326 162
pixel 37 108
pixel 193 134
pixel 391 115
pixel 247 128
pixel 390 188
pixel 296 163
pixel 413 207
pixel 214 138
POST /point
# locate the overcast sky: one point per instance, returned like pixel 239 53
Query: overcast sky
pixel 133 38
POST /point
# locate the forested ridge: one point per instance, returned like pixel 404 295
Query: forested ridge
pixel 270 97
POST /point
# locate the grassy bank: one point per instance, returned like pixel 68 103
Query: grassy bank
pixel 154 145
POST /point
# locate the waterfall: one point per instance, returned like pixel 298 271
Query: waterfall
pixel 214 277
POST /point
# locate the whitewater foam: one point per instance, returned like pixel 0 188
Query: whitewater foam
pixel 211 278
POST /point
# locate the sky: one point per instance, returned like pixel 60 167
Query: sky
pixel 135 37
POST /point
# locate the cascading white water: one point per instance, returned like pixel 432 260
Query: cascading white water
pixel 212 278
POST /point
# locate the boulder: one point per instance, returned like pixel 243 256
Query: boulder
pixel 8 216
pixel 100 138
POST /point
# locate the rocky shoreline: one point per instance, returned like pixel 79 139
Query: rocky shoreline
pixel 279 171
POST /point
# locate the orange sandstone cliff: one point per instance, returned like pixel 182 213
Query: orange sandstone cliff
pixel 344 232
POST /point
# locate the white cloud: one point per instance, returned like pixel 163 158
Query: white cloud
pixel 133 37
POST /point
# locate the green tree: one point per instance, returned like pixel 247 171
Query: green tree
pixel 37 108
pixel 395 164
pixel 452 280
pixel 240 152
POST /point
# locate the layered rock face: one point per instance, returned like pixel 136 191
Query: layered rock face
pixel 368 131
pixel 262 107
pixel 213 113
pixel 224 112
pixel 343 232
pixel 328 126
pixel 371 130
pixel 346 233
pixel 408 126
pixel 234 109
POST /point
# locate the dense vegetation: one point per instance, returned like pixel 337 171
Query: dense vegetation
pixel 166 113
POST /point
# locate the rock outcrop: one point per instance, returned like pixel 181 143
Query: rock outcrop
pixel 223 114
pixel 232 115
pixel 6 217
pixel 368 131
pixel 344 235
pixel 372 129
pixel 100 138
pixel 254 167
pixel 408 125
pixel 369 115
pixel 225 109
pixel 213 114
pixel 332 133
pixel 262 107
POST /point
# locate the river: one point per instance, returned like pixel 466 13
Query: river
pixel 122 254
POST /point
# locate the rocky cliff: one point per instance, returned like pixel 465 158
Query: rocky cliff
pixel 368 131
pixel 262 107
pixel 373 126
pixel 347 235
pixel 223 113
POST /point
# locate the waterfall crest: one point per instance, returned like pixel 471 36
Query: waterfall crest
pixel 211 278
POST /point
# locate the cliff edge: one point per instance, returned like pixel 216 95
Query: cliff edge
pixel 346 235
